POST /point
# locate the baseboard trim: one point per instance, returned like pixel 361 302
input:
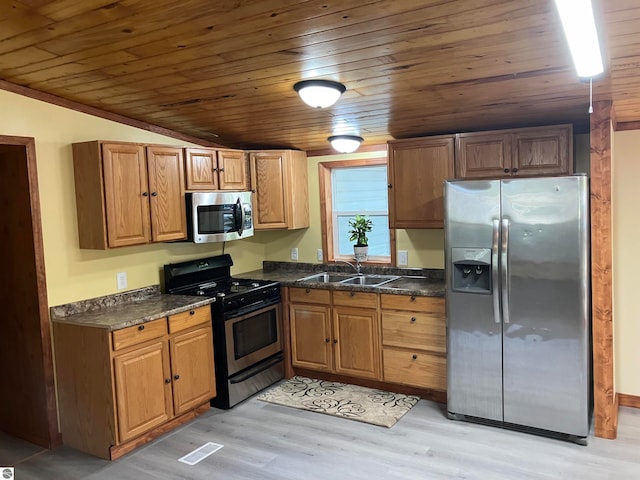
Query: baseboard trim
pixel 626 400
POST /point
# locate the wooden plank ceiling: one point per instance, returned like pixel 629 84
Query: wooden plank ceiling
pixel 223 70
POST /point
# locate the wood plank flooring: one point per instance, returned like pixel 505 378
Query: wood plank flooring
pixel 266 441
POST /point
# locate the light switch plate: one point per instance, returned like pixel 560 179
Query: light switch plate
pixel 403 258
pixel 294 253
pixel 121 278
pixel 319 256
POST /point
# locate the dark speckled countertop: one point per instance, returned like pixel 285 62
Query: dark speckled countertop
pixel 122 310
pixel 412 281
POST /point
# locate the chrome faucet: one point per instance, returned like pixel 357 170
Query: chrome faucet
pixel 356 267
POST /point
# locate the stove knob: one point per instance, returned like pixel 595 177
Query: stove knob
pixel 235 284
pixel 232 304
pixel 200 292
pixel 220 294
pixel 255 284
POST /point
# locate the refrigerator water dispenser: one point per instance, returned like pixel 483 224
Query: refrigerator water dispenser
pixel 471 269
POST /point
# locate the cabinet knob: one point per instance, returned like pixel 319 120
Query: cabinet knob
pixel 145 194
pixel 308 290
pixel 413 298
pixel 506 170
pixel 177 377
pixel 326 340
pixel 253 190
pixel 141 327
pixel 221 169
pixel 413 319
pixel 154 194
pixel 515 170
pixel 353 294
pixel 192 312
pixel 414 356
pixel 335 341
pixel 167 380
pixel 215 169
pixel 389 186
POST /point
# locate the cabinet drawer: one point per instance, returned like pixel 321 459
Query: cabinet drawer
pixel 309 295
pixel 414 330
pixel 417 304
pixel 355 299
pixel 415 368
pixel 139 333
pixel 190 318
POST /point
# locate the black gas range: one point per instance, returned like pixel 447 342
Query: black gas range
pixel 246 323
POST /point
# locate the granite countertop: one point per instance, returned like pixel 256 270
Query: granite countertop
pixel 114 312
pixel 412 281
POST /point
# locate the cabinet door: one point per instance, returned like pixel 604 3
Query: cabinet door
pixel 202 169
pixel 166 185
pixel 417 169
pixel 356 349
pixel 126 194
pixel 232 168
pixel 483 155
pixel 192 368
pixel 543 151
pixel 143 389
pixel 267 179
pixel 310 336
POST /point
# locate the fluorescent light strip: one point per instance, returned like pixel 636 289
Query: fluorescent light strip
pixel 580 29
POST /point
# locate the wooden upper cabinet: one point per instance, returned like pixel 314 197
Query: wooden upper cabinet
pixel 128 194
pixel 417 168
pixel 483 155
pixel 280 186
pixel 210 169
pixel 166 193
pixel 522 152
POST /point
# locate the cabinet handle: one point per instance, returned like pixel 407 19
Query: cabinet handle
pixel 145 194
pixel 221 169
pixel 215 169
pixel 353 294
pixel 141 327
pixel 308 290
pixel 389 186
pixel 413 319
pixel 253 190
pixel 154 194
pixel 335 341
pixel 506 170
pixel 326 340
pixel 192 312
pixel 167 380
pixel 413 298
pixel 176 377
pixel 414 356
pixel 515 170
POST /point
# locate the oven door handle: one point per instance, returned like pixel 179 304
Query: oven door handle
pixel 257 369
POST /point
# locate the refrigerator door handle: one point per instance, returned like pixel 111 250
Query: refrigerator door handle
pixel 495 280
pixel 504 266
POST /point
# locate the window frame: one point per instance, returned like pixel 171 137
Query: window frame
pixel 326 208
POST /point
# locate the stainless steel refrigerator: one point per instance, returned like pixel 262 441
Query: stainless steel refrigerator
pixel 518 302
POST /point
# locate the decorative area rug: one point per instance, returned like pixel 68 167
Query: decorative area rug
pixel 377 407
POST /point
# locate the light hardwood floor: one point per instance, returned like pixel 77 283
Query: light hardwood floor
pixel 266 441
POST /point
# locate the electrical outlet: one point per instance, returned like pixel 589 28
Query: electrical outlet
pixel 294 253
pixel 319 255
pixel 403 258
pixel 121 280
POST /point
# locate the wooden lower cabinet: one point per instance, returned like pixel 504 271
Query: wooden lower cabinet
pixel 414 341
pixel 331 332
pixel 118 390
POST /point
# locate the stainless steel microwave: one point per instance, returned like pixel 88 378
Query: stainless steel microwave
pixel 218 216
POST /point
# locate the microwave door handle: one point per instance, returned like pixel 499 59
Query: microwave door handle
pixel 240 226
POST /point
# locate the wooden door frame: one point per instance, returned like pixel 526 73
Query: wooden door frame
pixel 54 436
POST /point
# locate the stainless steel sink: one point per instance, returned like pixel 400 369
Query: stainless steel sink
pixel 326 277
pixel 370 280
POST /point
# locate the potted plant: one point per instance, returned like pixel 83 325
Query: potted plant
pixel 360 226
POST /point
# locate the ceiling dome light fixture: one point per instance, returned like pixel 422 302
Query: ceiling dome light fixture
pixel 345 143
pixel 319 93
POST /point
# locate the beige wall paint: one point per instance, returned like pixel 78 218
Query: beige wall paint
pixel 626 262
pixel 75 274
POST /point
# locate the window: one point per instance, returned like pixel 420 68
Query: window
pixel 355 187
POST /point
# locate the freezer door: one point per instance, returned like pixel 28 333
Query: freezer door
pixel 474 330
pixel 545 301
